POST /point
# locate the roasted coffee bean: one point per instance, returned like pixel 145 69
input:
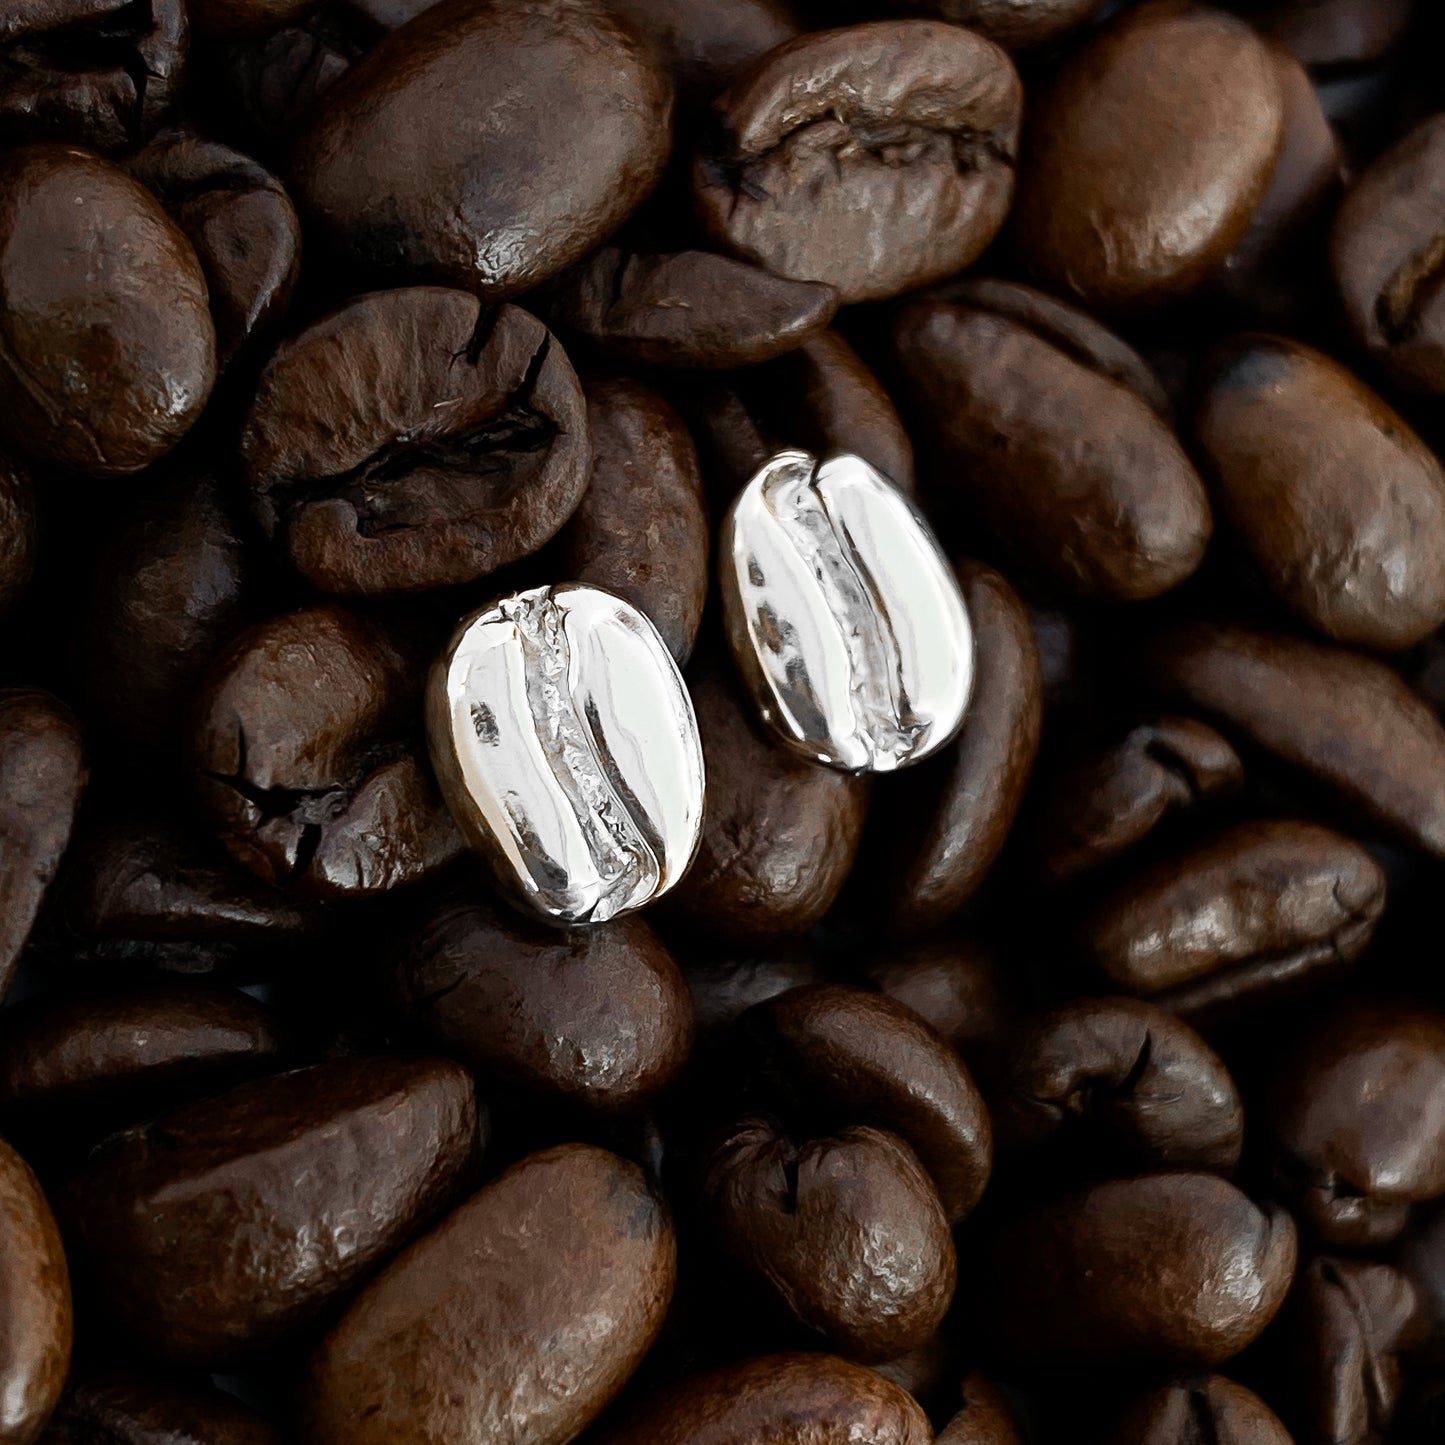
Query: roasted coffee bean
pixel 1015 23
pixel 599 1016
pixel 231 1224
pixel 641 530
pixel 42 773
pixel 35 1317
pixel 724 989
pixel 564 1265
pixel 325 789
pixel 1124 1082
pixel 1356 1117
pixel 775 1399
pixel 17 530
pixel 875 158
pixel 985 1418
pixel 102 75
pixel 1048 440
pixel 413 439
pixel 495 200
pixel 845 1232
pixel 109 352
pixel 1339 503
pixel 939 831
pixel 1122 225
pixel 1345 721
pixel 1165 1268
pixel 1259 909
pixel 1204 1408
pixel 138 1410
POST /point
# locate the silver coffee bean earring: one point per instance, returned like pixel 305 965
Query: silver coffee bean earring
pixel 844 614
pixel 566 746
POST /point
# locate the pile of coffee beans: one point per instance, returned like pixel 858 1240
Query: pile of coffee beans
pixel 1079 1083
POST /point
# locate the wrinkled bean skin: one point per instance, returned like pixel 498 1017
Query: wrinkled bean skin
pixel 494 202
pixel 1337 500
pixel 944 824
pixel 846 1231
pixel 641 530
pixel 1357 1121
pixel 1075 471
pixel 1204 1408
pixel 1346 721
pixel 1259 907
pixel 1126 1080
pixel 17 531
pixel 109 351
pixel 598 1017
pixel 1178 1268
pixel 229 1225
pixel 789 1399
pixel 42 775
pixel 412 440
pixel 984 1419
pixel 35 1316
pixel 874 158
pixel 564 1265
pixel 1120 225
pixel 135 1410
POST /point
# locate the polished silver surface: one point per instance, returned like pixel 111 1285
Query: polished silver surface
pixel 566 746
pixel 844 614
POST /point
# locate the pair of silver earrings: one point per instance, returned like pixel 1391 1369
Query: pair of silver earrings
pixel 563 735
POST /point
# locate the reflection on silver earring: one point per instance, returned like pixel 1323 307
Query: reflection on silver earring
pixel 566 746
pixel 844 614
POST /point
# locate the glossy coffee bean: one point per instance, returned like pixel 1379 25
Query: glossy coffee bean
pixel 17 530
pixel 598 1017
pixel 326 790
pixel 35 1317
pixel 1204 1408
pixel 1164 1268
pixel 641 530
pixel 42 774
pixel 1073 468
pixel 1125 1083
pixel 1339 503
pixel 231 1224
pixel 875 158
pixel 130 1409
pixel 792 1397
pixel 984 1419
pixel 495 200
pixel 845 1232
pixel 414 439
pixel 1259 909
pixel 1122 225
pixel 109 347
pixel 1356 1118
pixel 564 1265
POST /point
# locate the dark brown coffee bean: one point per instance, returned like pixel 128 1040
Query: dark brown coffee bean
pixel 1120 224
pixel 845 1232
pixel 325 788
pixel 594 1016
pixel 492 199
pixel 17 531
pixel 564 1266
pixel 778 1400
pixel 414 440
pixel 940 828
pixel 1357 1120
pixel 109 352
pixel 1077 473
pixel 35 1318
pixel 137 1410
pixel 228 1226
pixel 1200 1408
pixel 100 73
pixel 985 1418
pixel 875 158
pixel 1346 721
pixel 1124 1080
pixel 1110 800
pixel 42 774
pixel 1017 24
pixel 641 530
pixel 1259 909
pixel 779 834
pixel 724 989
pixel 864 1056
pixel 1178 1268
pixel 1339 503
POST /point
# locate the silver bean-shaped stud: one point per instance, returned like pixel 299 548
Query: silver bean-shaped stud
pixel 566 746
pixel 844 614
